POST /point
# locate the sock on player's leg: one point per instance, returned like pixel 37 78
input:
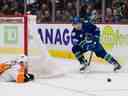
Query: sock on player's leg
pixel 113 61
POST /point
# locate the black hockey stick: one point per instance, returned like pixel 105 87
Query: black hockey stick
pixel 90 58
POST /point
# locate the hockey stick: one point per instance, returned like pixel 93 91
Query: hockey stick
pixel 90 58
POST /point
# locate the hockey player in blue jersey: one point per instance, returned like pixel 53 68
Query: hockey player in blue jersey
pixel 86 37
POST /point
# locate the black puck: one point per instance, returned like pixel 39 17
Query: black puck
pixel 109 80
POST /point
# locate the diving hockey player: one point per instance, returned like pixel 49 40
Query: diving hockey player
pixel 86 37
pixel 15 71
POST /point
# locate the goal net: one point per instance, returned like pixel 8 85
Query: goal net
pixel 15 41
pixel 40 62
pixel 13 36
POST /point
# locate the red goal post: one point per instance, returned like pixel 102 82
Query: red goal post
pixel 14 35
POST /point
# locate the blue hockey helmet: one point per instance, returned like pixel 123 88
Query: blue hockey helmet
pixel 76 20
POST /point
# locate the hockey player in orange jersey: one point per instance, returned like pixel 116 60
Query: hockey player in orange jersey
pixel 15 71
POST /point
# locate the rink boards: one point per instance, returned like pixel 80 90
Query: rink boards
pixel 57 39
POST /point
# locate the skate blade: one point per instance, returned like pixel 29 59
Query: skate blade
pixel 85 70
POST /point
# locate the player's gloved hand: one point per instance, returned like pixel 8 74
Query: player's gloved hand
pixel 29 77
pixel 91 46
pixel 88 46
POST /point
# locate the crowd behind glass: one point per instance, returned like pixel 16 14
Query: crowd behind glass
pixel 61 11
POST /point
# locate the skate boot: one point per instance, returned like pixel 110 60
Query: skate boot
pixel 117 66
pixel 83 67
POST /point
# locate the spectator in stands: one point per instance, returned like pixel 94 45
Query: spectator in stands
pixel 31 7
pixel 10 7
pixel 20 6
pixel 40 16
pixel 71 8
pixel 108 15
pixel 98 17
pixel 43 11
pixel 43 17
pixel 59 16
pixel 85 12
pixel 116 17
pixel 125 9
pixel 66 9
pixel 67 16
pixel 44 7
pixel 59 4
pixel 121 6
pixel 47 16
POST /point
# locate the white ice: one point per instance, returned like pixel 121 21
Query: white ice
pixel 72 83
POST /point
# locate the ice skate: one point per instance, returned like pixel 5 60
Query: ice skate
pixel 117 67
pixel 83 67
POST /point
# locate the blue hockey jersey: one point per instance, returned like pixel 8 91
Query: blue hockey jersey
pixel 89 33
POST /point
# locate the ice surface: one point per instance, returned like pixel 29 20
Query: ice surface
pixel 72 83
